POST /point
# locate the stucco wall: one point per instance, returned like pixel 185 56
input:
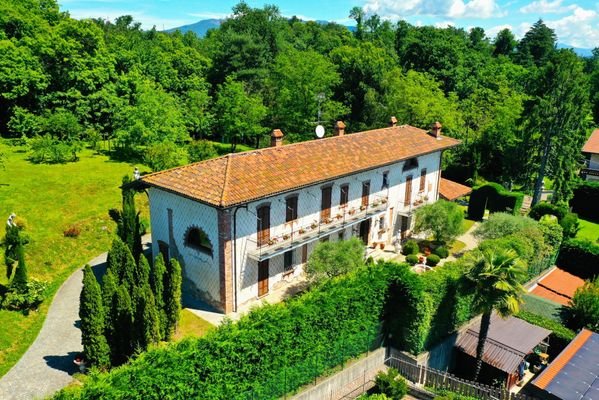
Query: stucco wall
pixel 198 267
pixel 594 161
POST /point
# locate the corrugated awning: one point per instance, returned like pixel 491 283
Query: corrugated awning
pixel 508 342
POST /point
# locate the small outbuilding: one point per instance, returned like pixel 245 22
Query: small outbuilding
pixel 450 190
pixel 574 374
pixel 509 342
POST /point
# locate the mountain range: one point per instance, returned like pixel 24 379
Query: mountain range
pixel 201 27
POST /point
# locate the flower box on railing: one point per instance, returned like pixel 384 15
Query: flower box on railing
pixel 286 236
pixel 302 231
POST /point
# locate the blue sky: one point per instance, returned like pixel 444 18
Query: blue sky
pixel 576 22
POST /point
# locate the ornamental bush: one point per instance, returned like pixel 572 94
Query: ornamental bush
pixel 412 259
pixel 409 247
pixel 391 384
pixel 432 260
pixel 441 251
pixel 584 308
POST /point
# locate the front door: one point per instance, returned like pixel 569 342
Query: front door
pixel 365 231
pixel 404 227
pixel 262 278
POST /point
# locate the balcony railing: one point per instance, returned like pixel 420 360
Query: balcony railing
pixel 296 235
pixel 590 171
pixel 418 201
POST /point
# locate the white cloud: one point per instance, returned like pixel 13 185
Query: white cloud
pixel 580 29
pixel 444 24
pixel 493 31
pixel 546 7
pixel 440 8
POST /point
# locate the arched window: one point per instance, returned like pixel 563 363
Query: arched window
pixel 198 239
pixel 410 164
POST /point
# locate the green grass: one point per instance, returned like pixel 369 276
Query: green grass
pixel 588 230
pixel 456 247
pixel 51 198
pixel 467 224
pixel 192 325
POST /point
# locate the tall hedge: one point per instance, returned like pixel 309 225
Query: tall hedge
pixel 580 257
pixel 586 200
pixel 270 352
pixel 495 198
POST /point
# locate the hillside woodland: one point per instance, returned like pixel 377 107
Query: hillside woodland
pixel 65 82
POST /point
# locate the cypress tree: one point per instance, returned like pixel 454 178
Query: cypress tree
pixel 147 323
pixel 19 282
pixel 116 258
pixel 91 313
pixel 109 289
pixel 142 273
pixel 128 228
pixel 172 296
pixel 123 325
pixel 157 277
pixel 129 269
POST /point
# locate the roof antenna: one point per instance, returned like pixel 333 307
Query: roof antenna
pixel 319 128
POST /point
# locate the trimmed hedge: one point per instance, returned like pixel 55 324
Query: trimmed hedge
pixel 567 220
pixel 268 353
pixel 432 260
pixel 412 259
pixel 495 198
pixel 442 252
pixel 585 201
pixel 542 307
pixel 579 257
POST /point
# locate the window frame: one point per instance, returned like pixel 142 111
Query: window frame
pixel 201 242
pixel 344 195
pixel 291 213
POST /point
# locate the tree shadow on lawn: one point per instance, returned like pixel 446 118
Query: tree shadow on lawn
pixel 64 362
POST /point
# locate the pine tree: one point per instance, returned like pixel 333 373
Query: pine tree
pixel 19 282
pixel 123 326
pixel 91 313
pixel 128 227
pixel 157 277
pixel 172 296
pixel 147 323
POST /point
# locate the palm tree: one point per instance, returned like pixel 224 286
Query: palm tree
pixel 495 275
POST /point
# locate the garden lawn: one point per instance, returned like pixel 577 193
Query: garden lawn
pixel 588 230
pixel 192 325
pixel 52 198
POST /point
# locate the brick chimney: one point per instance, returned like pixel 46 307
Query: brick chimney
pixel 276 138
pixel 436 129
pixel 392 121
pixel 339 128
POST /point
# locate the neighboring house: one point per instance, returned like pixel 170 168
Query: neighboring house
pixel 242 223
pixel 591 150
pixel 574 374
pixel 558 286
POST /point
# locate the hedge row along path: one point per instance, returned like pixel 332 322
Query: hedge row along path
pixel 48 365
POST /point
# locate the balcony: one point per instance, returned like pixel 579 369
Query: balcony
pixel 296 236
pixel 418 201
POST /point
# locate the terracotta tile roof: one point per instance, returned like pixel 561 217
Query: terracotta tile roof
pixel 592 145
pixel 558 286
pixel 562 359
pixel 252 175
pixel 450 190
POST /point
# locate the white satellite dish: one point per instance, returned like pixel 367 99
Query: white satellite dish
pixel 319 131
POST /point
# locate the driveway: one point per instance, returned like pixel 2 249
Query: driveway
pixel 48 366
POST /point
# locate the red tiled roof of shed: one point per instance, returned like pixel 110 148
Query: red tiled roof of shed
pixel 243 177
pixel 558 286
pixel 592 145
pixel 450 190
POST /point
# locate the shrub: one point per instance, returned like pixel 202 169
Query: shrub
pixel 502 224
pixel 391 384
pixel 584 306
pixel 496 199
pixel 544 208
pixel 409 247
pixel 579 257
pixel 72 231
pixel 433 260
pixel 570 225
pixel 26 298
pixel 443 219
pixel 201 150
pixel 161 156
pixel 412 259
pixel 48 149
pixel 585 200
pixel 441 251
pixel 331 259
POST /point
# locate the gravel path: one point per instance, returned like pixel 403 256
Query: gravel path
pixel 48 366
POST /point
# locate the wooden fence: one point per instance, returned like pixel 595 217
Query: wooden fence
pixel 428 377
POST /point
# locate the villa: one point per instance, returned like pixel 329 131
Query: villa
pixel 245 223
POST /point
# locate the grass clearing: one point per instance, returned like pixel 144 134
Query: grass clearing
pixel 467 224
pixel 192 325
pixel 588 230
pixel 456 247
pixel 52 198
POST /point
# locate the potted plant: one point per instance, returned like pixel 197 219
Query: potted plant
pixel 327 220
pixel 384 200
pixel 314 225
pixel 286 236
pixel 339 216
pixel 272 241
pixel 352 211
pixel 374 203
pixel 362 207
pixel 302 231
pixel 382 246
